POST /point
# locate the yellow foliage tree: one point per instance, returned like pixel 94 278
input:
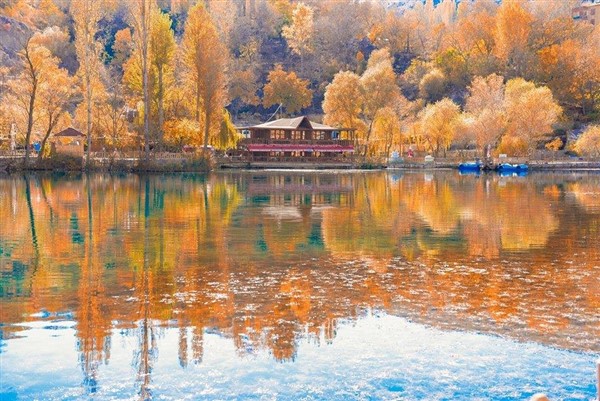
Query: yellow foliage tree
pixel 181 132
pixel 286 89
pixel 437 123
pixel 433 85
pixel 38 66
pixel 486 104
pixel 57 95
pixel 513 28
pixel 299 34
pixel 343 101
pixel 588 143
pixel 205 60
pixel 531 111
pixel 379 87
pixel 386 132
pixel 227 136
pixel 86 15
pixel 162 50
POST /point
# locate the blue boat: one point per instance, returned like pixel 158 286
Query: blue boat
pixel 470 166
pixel 512 168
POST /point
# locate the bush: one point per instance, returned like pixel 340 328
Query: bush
pixel 588 143
pixel 60 162
pixel 197 163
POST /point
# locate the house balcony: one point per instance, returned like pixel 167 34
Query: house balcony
pixel 345 143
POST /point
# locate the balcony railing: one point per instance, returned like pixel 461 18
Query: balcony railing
pixel 269 141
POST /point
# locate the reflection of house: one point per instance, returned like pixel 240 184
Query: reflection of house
pixel 588 11
pixel 296 139
pixel 300 189
pixel 68 142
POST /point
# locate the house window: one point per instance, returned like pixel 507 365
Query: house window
pixel 277 134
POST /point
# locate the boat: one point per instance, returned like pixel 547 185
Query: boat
pixel 470 166
pixel 512 168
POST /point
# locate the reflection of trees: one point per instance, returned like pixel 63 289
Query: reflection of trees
pixel 93 326
pixel 266 259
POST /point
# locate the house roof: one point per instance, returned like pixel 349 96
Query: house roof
pixel 69 132
pixel 301 122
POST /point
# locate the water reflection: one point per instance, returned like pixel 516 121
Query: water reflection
pixel 269 259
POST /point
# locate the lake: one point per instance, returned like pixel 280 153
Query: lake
pixel 271 285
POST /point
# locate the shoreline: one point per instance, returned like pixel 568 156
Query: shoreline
pixel 199 165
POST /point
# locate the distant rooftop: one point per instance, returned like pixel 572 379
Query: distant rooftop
pixel 70 132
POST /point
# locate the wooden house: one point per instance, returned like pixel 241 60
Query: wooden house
pixel 68 142
pixel 296 140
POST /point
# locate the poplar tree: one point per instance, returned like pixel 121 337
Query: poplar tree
pixel 205 58
pixel 86 14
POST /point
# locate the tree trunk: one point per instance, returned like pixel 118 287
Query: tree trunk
pixel 368 137
pixel 34 85
pixel 30 121
pixel 88 82
pixel 161 112
pixel 43 146
pixel 206 126
pixel 145 80
pixel 198 101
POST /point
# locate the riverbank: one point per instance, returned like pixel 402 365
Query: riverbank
pixel 534 165
pixel 185 163
pixel 106 164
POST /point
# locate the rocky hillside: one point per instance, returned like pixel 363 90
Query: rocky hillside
pixel 12 37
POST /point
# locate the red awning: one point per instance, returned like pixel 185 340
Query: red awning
pixel 298 148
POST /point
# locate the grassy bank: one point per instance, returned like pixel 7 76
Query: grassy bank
pixel 68 163
pixel 203 164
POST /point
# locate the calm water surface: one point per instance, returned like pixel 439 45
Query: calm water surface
pixel 299 285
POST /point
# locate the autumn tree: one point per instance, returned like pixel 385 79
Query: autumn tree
pixel 227 135
pixel 531 112
pixel 472 40
pixel 86 15
pixel 36 62
pixel 486 104
pixel 180 132
pixel 205 58
pixel 379 87
pixel 588 143
pixel 243 86
pixel 223 13
pixel 343 100
pixel 287 90
pixel 513 27
pixel 299 34
pixel 141 13
pixel 57 95
pixel 111 121
pixel 162 50
pixel 386 131
pixel 580 87
pixel 438 124
pixel 433 85
pixel 122 48
pixel 338 30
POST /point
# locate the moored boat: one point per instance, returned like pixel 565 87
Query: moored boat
pixel 508 167
pixel 470 166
